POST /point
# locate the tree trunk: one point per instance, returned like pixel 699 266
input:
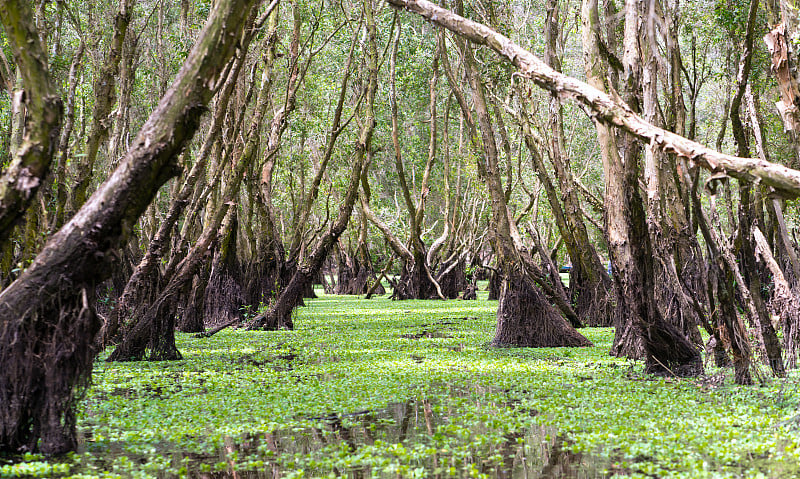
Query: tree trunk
pixel 666 350
pixel 47 351
pixel 40 106
pixel 524 316
pixel 279 314
pixel 589 284
pixel 105 96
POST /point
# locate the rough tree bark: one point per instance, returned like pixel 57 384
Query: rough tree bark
pixel 105 96
pixel 31 159
pixel 747 207
pixel 47 320
pixel 279 314
pixel 589 285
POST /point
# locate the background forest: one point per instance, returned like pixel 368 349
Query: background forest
pixel 199 165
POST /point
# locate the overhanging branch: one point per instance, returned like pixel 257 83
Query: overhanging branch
pixel 609 109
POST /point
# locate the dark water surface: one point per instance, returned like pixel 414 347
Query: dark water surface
pixel 539 452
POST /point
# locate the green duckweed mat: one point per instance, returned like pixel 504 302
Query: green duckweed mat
pixel 379 388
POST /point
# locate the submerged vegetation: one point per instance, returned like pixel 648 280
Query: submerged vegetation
pixel 376 388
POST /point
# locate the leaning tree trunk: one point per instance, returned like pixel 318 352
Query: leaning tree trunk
pixel 590 288
pixel 105 96
pixel 47 351
pixel 525 317
pixel 151 336
pixel 747 213
pixel 279 314
pixel 146 276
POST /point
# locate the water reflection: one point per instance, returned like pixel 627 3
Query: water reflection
pixel 378 444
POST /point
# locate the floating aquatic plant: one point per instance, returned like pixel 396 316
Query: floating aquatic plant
pixel 411 389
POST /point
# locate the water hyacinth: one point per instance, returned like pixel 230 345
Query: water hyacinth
pixel 376 388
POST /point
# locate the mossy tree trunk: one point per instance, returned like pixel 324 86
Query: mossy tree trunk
pixel 47 351
pixel 42 107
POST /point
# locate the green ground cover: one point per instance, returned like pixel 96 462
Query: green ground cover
pixel 410 389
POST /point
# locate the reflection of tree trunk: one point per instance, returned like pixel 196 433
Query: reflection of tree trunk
pixel 52 350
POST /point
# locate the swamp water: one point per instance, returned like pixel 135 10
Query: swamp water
pixel 417 438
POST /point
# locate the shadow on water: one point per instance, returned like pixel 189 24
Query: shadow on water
pixel 377 444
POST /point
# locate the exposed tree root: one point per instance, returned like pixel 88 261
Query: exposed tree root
pixel 526 319
pixel 47 364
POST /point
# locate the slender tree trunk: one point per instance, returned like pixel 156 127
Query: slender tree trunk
pixel 279 314
pixel 47 351
pixel 105 96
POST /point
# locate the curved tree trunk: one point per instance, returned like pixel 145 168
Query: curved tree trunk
pixel 43 107
pixel 279 314
pixel 47 351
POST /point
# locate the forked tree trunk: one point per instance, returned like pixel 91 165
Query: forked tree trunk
pixel 47 351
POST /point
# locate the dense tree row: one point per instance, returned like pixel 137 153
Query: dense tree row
pixel 196 166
